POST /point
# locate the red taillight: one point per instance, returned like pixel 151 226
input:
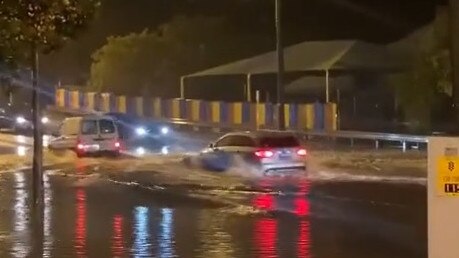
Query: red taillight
pixel 301 152
pixel 117 144
pixel 264 153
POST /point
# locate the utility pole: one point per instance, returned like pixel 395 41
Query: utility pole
pixel 280 66
pixel 454 51
pixel 37 169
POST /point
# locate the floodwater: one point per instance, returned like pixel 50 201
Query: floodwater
pixel 289 218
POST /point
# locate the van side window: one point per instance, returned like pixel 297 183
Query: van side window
pixel 106 126
pixel 89 127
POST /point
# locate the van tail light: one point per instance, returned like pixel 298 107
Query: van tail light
pixel 301 152
pixel 80 146
pixel 264 154
pixel 117 144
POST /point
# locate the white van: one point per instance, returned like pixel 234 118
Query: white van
pixel 88 135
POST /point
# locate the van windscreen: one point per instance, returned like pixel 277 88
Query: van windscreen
pixel 106 126
pixel 89 127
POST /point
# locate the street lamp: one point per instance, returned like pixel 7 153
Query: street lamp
pixel 280 66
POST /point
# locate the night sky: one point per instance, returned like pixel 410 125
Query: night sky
pixel 370 20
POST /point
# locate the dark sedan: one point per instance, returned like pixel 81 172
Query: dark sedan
pixel 136 131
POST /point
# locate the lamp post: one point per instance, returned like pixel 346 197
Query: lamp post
pixel 280 66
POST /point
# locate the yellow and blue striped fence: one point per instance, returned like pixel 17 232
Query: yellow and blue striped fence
pixel 316 116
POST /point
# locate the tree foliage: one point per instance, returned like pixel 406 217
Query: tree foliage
pixel 46 24
pixel 425 90
pixel 153 61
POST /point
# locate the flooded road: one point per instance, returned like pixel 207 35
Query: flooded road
pixel 93 217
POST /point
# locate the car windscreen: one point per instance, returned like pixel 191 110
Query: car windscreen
pixel 279 142
pixel 89 127
pixel 106 126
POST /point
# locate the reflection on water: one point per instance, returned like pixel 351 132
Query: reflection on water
pixel 48 238
pixel 80 225
pixel 215 238
pixel 21 244
pixel 165 237
pixel 140 230
pixel 266 234
pixel 21 151
pixel 265 237
pixel 141 247
pixel 304 242
pixel 118 238
pixel 302 208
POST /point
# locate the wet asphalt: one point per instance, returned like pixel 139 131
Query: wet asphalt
pixel 95 217
pixel 89 214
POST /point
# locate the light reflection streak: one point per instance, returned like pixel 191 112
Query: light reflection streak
pixel 141 247
pixel 266 237
pixel 303 209
pixel 266 229
pixel 21 245
pixel 166 241
pixel 118 238
pixel 20 139
pixel 48 238
pixel 21 151
pixel 80 225
pixel 304 240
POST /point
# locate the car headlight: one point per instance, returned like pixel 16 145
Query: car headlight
pixel 44 120
pixel 140 131
pixel 20 120
pixel 165 130
pixel 140 151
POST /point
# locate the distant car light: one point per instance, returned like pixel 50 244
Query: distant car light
pixel 165 130
pixel 20 120
pixel 44 120
pixel 117 144
pixel 140 131
pixel 165 150
pixel 140 151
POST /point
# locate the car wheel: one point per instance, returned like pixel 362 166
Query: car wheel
pixel 219 163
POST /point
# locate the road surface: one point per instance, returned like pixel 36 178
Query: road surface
pixel 93 211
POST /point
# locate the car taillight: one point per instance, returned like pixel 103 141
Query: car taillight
pixel 264 153
pixel 117 144
pixel 301 152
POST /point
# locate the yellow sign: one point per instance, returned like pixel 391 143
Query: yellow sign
pixel 448 176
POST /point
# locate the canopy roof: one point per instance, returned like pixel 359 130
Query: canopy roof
pixel 312 56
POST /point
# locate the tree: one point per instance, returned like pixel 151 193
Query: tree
pixel 28 27
pixel 153 61
pixel 425 90
pixel 130 64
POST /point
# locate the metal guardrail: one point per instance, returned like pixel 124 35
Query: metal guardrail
pixel 403 139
